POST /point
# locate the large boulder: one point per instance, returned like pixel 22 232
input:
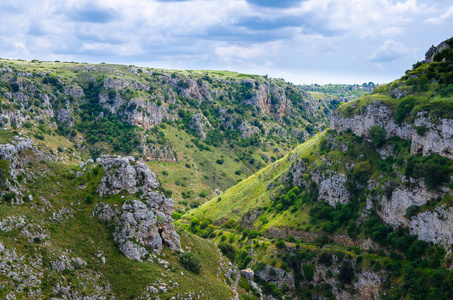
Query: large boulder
pixel 141 225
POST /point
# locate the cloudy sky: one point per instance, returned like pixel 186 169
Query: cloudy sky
pixel 309 41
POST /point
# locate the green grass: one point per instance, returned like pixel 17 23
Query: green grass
pixel 251 193
pixel 204 174
pixel 6 136
pixel 85 236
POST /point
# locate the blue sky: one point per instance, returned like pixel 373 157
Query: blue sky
pixel 310 41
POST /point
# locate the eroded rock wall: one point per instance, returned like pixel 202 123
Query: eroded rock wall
pixel 143 225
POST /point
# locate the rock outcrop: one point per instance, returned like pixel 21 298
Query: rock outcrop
pixel 140 225
pixel 197 123
pixel 124 173
pixel 333 190
pixel 436 139
pixel 429 55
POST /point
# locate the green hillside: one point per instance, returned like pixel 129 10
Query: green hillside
pixel 379 177
pixel 212 127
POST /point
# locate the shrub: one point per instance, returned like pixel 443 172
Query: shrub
pixel 309 271
pixel 435 176
pixel 378 136
pixel 326 258
pixel 405 106
pixel 204 224
pixel 4 172
pixel 280 244
pixel 363 169
pixel 194 222
pixel 228 250
pixel 322 240
pixel 190 261
pixel 89 199
pixel 10 197
pixel 412 211
pixel 253 234
pixel 176 215
pixel 346 273
pixel 421 130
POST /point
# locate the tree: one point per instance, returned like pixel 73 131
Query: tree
pixel 228 250
pixel 190 261
pixel 378 136
pixel 4 172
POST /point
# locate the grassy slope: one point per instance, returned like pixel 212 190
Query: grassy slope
pixel 85 236
pixel 251 193
pixel 205 174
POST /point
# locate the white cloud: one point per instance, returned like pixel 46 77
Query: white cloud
pixel 231 52
pixel 364 18
pixel 448 14
pixel 329 35
pixel 389 51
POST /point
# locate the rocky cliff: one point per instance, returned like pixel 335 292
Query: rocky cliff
pixel 436 136
pixel 140 225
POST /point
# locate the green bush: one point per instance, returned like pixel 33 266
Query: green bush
pixel 280 244
pixel 89 199
pixel 190 261
pixel 346 273
pixel 204 224
pixel 378 136
pixel 194 222
pixel 10 197
pixel 309 271
pixel 228 250
pixel 326 258
pixel 404 108
pixel 176 215
pixel 4 173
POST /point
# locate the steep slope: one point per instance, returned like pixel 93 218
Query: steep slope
pixel 379 180
pixel 213 127
pixel 98 230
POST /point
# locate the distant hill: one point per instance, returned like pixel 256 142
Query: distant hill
pixel 340 92
pixel 199 130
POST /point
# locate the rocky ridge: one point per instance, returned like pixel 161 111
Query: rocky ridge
pixel 436 139
pixel 430 226
pixel 140 225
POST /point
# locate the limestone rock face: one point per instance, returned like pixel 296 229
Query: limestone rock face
pixel 277 276
pixel 148 116
pixel 123 173
pixel 248 274
pixel 430 226
pixel 11 152
pixel 140 225
pixel 65 116
pixel 429 55
pixel 297 172
pixel 248 130
pixel 393 210
pixel 197 124
pixel 333 190
pixel 437 138
pixel 375 114
pixel 434 226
